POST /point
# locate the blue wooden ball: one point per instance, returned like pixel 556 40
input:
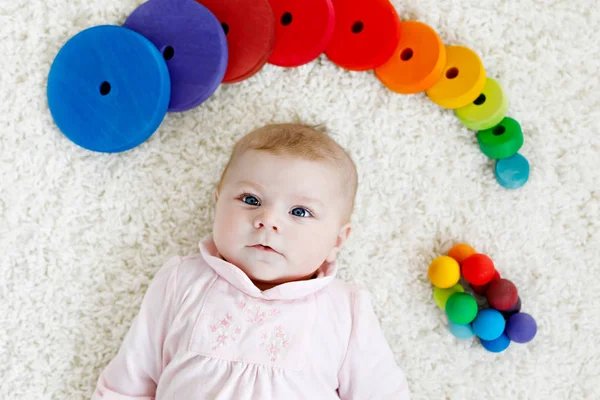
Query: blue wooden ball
pixel 461 331
pixel 489 324
pixel 497 345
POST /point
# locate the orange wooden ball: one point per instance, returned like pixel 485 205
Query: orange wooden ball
pixel 460 252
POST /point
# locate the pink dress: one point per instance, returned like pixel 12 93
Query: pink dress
pixel 205 331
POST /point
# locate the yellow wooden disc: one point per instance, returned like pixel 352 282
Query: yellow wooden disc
pixel 487 110
pixel 463 79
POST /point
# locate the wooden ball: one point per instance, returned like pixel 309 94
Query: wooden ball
pixel 482 289
pixel 444 272
pixel 460 252
pixel 478 269
pixel 502 294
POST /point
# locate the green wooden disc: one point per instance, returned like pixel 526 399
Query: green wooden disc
pixel 461 308
pixel 487 110
pixel 501 141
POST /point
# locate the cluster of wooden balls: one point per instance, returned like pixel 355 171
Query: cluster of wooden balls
pixel 496 326
pixel 110 86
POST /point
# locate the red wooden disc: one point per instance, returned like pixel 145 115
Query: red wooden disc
pixel 250 29
pixel 366 34
pixel 304 29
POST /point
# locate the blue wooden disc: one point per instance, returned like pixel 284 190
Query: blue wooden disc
pixel 512 172
pixel 192 41
pixel 108 89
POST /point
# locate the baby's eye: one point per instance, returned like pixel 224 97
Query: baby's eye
pixel 301 212
pixel 251 200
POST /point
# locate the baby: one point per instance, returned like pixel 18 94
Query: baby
pixel 258 313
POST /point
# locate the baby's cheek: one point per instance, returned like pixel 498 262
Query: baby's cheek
pixel 315 247
pixel 228 218
pixel 224 225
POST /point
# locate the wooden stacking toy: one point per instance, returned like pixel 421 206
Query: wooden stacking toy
pixel 304 30
pixel 497 325
pixel 112 98
pixel 418 62
pixel 192 42
pixel 365 35
pixel 249 26
pixel 97 102
pixel 487 110
pixel 463 81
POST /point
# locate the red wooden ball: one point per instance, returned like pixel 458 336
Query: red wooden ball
pixel 481 289
pixel 502 294
pixel 478 269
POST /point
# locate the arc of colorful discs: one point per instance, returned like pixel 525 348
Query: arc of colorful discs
pixel 112 99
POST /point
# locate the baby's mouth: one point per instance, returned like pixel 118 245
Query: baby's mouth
pixel 264 248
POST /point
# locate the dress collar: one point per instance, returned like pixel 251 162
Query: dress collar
pixel 286 291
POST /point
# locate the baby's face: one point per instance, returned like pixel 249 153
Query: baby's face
pixel 292 206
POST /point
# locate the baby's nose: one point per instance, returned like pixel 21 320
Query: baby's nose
pixel 273 226
pixel 266 220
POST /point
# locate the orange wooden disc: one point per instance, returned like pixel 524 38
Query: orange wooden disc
pixel 366 34
pixel 417 63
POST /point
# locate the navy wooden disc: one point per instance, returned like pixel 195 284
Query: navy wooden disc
pixel 108 89
pixel 250 29
pixel 192 42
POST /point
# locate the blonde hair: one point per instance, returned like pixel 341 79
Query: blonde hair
pixel 305 142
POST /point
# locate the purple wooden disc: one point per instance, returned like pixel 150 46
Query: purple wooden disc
pixel 192 41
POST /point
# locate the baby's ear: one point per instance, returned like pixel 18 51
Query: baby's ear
pixel 343 234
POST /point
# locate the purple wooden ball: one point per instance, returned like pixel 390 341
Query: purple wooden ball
pixel 521 327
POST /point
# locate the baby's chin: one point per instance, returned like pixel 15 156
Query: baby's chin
pixel 262 280
pixel 258 270
pixel 267 272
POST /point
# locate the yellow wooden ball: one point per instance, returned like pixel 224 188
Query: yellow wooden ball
pixel 444 272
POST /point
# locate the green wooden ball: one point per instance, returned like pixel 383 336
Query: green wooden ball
pixel 461 308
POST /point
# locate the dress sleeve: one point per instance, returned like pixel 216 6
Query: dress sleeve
pixel 369 370
pixel 135 370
